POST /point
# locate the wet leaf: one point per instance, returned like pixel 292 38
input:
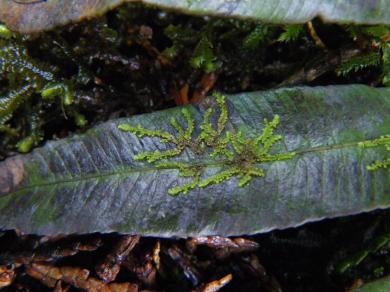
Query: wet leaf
pixel 93 183
pixel 32 16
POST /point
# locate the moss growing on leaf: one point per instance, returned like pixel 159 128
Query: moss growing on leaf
pixel 383 141
pixel 182 141
pixel 239 156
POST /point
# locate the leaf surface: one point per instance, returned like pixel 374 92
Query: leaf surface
pixel 92 183
pixel 38 15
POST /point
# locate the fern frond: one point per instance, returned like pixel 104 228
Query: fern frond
pixel 291 33
pixel 204 57
pixel 361 62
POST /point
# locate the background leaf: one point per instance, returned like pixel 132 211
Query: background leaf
pixel 92 183
pixel 43 15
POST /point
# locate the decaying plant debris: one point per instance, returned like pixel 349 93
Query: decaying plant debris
pixel 333 255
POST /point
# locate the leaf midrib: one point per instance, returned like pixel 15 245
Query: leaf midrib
pixel 215 163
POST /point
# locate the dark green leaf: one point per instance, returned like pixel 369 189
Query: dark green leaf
pixel 93 183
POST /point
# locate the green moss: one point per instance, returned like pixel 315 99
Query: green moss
pixel 10 102
pixel 257 36
pixel 204 57
pixel 291 33
pixel 241 156
pixel 25 77
pixel 383 141
pixel 141 132
pixel 5 32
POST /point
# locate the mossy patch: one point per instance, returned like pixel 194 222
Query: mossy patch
pixel 242 155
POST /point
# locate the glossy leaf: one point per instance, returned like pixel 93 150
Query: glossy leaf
pixel 92 183
pixel 37 15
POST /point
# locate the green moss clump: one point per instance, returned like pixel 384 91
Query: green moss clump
pixel 240 156
pixel 25 78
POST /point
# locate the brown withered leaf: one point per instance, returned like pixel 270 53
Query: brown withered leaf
pixel 109 268
pixel 77 277
pixel 216 285
pixel 6 276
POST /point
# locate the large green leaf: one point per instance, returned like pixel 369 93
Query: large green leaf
pixel 37 15
pixel 93 183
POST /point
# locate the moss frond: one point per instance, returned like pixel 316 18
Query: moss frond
pixel 383 141
pixel 184 171
pixel 190 124
pixel 219 177
pixel 177 127
pixel 249 174
pixel 184 188
pixel 379 164
pixel 208 133
pixel 267 138
pixel 139 131
pixel 237 142
pixel 158 155
pixel 15 62
pixel 223 116
pixel 10 102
